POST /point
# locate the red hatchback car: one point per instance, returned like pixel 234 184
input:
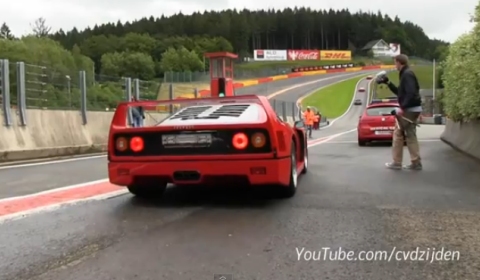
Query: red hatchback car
pixel 376 122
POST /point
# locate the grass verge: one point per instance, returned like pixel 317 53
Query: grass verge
pixel 333 100
pixel 424 75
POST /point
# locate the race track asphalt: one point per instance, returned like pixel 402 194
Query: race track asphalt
pixel 16 181
pixel 347 200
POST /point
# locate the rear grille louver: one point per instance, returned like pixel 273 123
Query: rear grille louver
pixel 230 111
pixel 194 113
pixel 190 113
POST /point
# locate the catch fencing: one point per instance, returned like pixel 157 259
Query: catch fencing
pixel 25 86
pixel 238 74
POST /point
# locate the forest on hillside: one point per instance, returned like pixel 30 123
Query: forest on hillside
pixel 147 40
pixel 299 28
pixel 150 47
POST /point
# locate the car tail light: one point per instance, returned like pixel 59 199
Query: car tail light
pixel 121 144
pixel 137 144
pixel 258 140
pixel 240 141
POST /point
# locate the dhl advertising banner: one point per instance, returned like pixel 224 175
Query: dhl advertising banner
pixel 335 55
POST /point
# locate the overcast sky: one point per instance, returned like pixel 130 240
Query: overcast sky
pixel 442 19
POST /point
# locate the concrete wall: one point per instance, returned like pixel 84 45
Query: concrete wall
pixel 51 133
pixel 463 136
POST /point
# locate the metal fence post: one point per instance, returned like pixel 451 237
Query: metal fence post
pixel 136 88
pixel 128 97
pixel 284 110
pixel 294 106
pixel 128 89
pixel 21 95
pixel 83 95
pixel 5 85
pixel 170 96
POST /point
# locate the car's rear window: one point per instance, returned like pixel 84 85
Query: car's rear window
pixel 379 111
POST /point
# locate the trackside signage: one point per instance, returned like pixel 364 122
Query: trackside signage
pixel 336 55
pixel 303 55
pixel 269 55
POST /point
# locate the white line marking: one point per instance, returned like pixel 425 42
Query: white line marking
pixel 49 162
pixel 331 137
pixel 313 82
pixel 53 207
pixel 351 141
pixel 299 101
pixel 55 190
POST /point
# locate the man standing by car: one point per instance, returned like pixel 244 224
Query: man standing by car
pixel 137 114
pixel 408 95
pixel 309 118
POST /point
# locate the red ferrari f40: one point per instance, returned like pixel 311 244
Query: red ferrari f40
pixel 209 141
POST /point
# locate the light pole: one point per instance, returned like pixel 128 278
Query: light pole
pixel 434 85
pixel 69 91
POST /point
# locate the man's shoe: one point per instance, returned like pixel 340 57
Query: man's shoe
pixel 393 165
pixel 413 166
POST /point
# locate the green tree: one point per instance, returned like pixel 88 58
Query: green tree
pixel 128 64
pixel 40 28
pixel 461 98
pixel 96 46
pixel 112 64
pixel 135 42
pixel 138 65
pixel 179 60
pixel 5 32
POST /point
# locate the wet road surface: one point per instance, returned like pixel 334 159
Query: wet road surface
pixel 347 200
pixel 24 180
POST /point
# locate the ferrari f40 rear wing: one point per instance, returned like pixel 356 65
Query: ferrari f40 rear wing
pixel 169 107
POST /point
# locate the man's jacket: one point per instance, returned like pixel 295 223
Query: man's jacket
pixel 408 90
pixel 309 117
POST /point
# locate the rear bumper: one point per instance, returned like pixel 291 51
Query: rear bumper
pixel 375 137
pixel 255 172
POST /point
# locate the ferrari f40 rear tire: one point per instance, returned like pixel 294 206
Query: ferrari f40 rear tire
pixel 305 160
pixel 148 191
pixel 290 190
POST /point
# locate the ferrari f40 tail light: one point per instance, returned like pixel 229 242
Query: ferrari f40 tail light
pixel 240 141
pixel 258 140
pixel 137 144
pixel 121 144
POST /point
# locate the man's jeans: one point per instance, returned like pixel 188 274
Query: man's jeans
pixel 309 130
pixel 406 132
pixel 137 121
pixel 137 118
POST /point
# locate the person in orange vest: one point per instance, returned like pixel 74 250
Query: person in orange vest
pixel 316 121
pixel 309 118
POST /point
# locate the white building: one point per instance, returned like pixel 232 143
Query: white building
pixel 380 48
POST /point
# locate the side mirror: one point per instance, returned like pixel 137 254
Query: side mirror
pixel 299 124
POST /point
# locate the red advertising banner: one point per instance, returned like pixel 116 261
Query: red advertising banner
pixel 303 55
